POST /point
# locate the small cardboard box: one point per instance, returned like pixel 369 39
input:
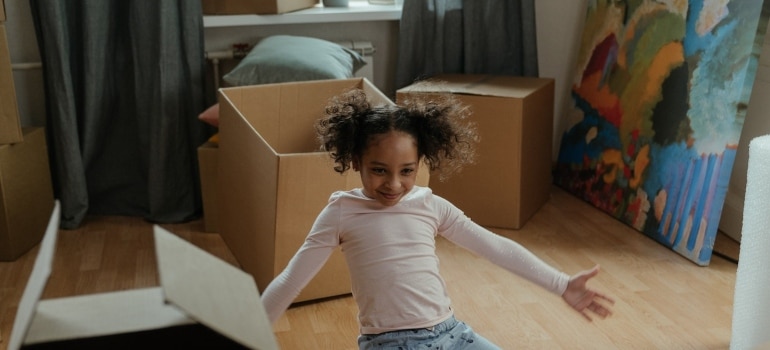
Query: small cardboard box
pixel 261 7
pixel 203 302
pixel 273 181
pixel 207 164
pixel 10 124
pixel 26 194
pixel 511 179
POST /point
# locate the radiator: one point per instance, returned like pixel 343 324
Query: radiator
pixel 364 48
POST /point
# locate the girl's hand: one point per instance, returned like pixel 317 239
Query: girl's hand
pixel 584 299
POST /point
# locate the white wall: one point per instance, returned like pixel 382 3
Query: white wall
pixel 559 24
pixel 757 124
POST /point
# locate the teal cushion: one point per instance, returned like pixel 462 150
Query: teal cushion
pixel 286 58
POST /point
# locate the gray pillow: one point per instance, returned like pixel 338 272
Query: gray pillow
pixel 286 58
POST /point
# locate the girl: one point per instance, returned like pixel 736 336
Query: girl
pixel 387 229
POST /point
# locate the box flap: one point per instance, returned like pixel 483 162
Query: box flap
pixel 476 84
pixel 94 315
pixel 212 292
pixel 37 281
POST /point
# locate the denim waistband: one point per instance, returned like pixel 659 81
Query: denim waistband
pixel 440 327
pixel 444 326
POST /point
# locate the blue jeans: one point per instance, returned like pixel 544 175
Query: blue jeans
pixel 450 334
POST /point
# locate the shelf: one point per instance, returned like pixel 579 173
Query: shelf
pixel 357 11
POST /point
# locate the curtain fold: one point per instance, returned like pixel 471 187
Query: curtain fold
pixel 124 83
pixel 466 36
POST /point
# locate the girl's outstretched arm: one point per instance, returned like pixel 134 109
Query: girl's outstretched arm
pixel 584 299
pixel 515 258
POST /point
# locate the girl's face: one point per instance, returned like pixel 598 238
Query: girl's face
pixel 388 167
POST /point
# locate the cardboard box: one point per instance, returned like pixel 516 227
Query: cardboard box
pixel 202 302
pixel 261 7
pixel 273 181
pixel 512 177
pixel 207 165
pixel 26 194
pixel 10 124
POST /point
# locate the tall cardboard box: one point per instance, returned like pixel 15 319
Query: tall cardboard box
pixel 208 168
pixel 10 124
pixel 202 302
pixel 273 181
pixel 261 7
pixel 511 179
pixel 26 194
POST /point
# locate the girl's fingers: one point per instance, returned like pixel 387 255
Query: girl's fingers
pixel 604 297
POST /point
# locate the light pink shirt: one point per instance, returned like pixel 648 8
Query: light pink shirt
pixel 391 255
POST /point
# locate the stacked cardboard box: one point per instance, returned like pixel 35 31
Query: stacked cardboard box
pixel 10 128
pixel 26 194
pixel 262 7
pixel 511 179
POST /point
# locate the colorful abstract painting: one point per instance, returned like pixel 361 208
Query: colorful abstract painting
pixel 658 102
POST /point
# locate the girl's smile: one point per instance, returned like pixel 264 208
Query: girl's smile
pixel 388 167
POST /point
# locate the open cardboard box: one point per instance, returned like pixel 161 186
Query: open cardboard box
pixel 202 302
pixel 511 178
pixel 274 180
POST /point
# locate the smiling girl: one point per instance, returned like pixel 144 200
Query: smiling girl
pixel 387 229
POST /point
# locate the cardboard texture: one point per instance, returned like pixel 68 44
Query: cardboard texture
pixel 207 164
pixel 26 194
pixel 511 179
pixel 272 180
pixel 10 124
pixel 203 302
pixel 261 7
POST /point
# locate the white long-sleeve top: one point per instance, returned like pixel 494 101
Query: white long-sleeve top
pixel 391 255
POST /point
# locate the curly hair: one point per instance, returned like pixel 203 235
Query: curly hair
pixel 439 123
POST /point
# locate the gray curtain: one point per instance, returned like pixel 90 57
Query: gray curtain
pixel 466 36
pixel 124 83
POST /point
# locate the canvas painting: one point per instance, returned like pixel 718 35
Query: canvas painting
pixel 659 97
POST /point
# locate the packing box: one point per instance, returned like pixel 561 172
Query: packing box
pixel 511 179
pixel 207 164
pixel 202 302
pixel 273 181
pixel 26 194
pixel 262 7
pixel 10 124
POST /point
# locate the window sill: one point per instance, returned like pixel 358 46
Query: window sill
pixel 358 11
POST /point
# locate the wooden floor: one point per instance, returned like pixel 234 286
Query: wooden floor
pixel 664 301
